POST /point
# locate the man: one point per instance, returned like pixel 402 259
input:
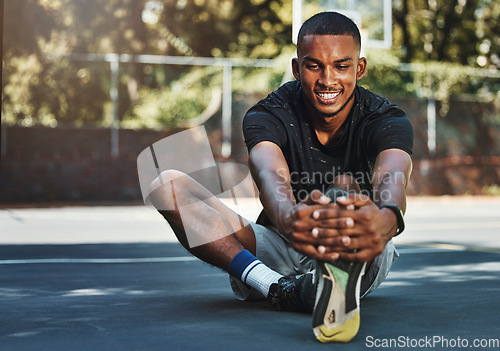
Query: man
pixel 331 161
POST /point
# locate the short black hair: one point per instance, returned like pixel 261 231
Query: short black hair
pixel 329 23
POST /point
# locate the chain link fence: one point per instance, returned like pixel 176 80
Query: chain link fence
pixel 92 164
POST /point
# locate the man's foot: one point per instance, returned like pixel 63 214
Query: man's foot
pixel 295 294
pixel 336 311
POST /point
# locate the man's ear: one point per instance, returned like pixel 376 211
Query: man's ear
pixel 295 68
pixel 361 70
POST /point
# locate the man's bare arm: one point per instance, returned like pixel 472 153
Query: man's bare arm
pixel 272 176
pixel 374 227
pixel 294 220
pixel 390 177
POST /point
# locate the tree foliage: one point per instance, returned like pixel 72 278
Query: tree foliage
pixel 40 90
pixel 459 31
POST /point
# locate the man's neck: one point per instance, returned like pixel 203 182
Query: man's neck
pixel 329 130
pixel 329 133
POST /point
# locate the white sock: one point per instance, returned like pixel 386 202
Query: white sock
pixel 260 277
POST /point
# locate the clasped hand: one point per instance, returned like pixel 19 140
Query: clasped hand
pixel 353 229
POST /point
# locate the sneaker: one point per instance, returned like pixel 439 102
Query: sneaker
pixel 296 294
pixel 336 310
pixel 334 193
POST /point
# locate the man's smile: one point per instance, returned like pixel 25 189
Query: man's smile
pixel 327 98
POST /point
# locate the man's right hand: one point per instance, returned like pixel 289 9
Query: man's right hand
pixel 296 220
pixel 299 224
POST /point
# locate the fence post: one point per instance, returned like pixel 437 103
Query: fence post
pixel 226 108
pixel 3 126
pixel 3 137
pixel 114 64
pixel 431 125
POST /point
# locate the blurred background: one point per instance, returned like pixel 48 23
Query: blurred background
pixel 88 84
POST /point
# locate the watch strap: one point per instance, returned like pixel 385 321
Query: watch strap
pixel 399 216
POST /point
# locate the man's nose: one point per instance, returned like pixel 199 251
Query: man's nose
pixel 328 77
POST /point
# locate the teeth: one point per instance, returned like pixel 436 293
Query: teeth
pixel 328 96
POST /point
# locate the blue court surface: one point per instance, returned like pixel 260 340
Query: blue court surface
pixel 113 278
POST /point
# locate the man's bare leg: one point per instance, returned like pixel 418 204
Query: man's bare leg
pixel 206 218
pixel 346 182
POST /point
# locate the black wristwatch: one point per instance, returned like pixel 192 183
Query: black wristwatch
pixel 399 216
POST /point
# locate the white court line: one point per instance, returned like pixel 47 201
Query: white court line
pixel 408 251
pixel 454 225
pixel 100 260
pixel 441 247
pixel 434 247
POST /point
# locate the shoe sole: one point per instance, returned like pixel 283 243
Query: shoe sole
pixel 336 315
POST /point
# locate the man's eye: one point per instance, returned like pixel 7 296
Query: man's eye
pixel 342 67
pixel 312 66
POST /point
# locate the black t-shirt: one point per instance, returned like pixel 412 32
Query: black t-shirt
pixel 373 125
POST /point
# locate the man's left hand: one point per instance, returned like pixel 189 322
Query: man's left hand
pixel 366 238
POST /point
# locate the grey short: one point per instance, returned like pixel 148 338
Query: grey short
pixel 276 252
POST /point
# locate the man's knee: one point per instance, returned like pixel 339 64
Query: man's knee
pixel 342 185
pixel 166 188
pixel 173 189
pixel 346 182
pixel 167 177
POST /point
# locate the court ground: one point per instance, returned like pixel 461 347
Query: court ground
pixel 113 278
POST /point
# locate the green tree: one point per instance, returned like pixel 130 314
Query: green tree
pixel 44 91
pixel 458 31
pixel 251 28
pixel 41 90
pixel 63 91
